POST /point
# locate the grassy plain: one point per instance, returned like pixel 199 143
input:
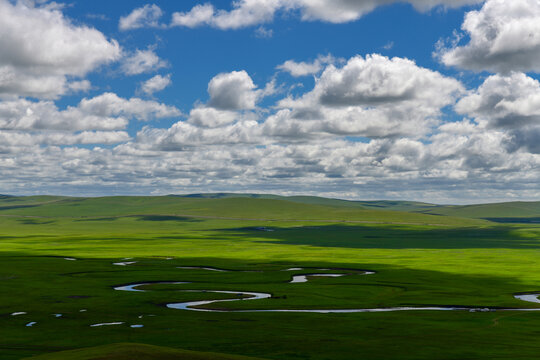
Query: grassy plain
pixel 420 260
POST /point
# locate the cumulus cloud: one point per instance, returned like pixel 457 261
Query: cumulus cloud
pixel 507 102
pixel 80 86
pixel 373 96
pixel 110 104
pixel 142 61
pixel 146 16
pixel 233 91
pixel 41 48
pixel 184 135
pixel 104 112
pixel 155 84
pixel 207 117
pixel 340 11
pixel 199 15
pixel 504 36
pixel 303 68
pixel 26 139
pixel 246 13
pixel 504 101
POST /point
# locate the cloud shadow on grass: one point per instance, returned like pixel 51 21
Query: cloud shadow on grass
pixel 394 237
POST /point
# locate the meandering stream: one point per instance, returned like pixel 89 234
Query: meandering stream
pixel 250 296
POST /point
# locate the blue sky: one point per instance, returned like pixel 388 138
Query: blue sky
pixel 432 100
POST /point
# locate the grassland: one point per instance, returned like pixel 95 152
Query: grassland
pixel 420 260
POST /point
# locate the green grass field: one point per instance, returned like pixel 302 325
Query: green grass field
pixel 454 256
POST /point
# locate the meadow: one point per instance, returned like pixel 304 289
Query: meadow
pixel 57 269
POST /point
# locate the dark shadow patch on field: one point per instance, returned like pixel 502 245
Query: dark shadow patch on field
pixel 515 220
pixel 97 219
pixel 13 207
pixel 15 237
pixel 36 222
pixel 166 218
pixel 393 237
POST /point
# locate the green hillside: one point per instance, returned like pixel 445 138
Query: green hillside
pixel 127 351
pixel 499 212
pixel 495 211
pixel 247 208
pixel 395 205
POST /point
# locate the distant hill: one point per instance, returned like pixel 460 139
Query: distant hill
pixel 129 351
pixel 268 206
pixel 508 212
pixel 528 212
pixel 241 207
pixel 316 200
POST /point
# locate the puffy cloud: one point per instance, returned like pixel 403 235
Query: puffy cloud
pixel 302 68
pixel 146 16
pixel 155 84
pixel 22 114
pixel 110 104
pixel 504 36
pixel 185 135
pixel 340 11
pixel 199 15
pixel 142 61
pixel 373 96
pixel 378 80
pixel 246 13
pixel 103 112
pixel 26 139
pixel 77 86
pixel 508 102
pixel 41 48
pixel 233 91
pixel 208 117
pixel 504 101
pixel 525 138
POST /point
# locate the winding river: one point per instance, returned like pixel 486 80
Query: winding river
pixel 250 296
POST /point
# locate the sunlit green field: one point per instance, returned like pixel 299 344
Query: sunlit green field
pixel 419 260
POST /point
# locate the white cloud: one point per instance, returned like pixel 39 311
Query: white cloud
pixel 22 114
pixel 340 11
pixel 388 46
pixel 233 91
pixel 507 101
pixel 155 84
pixel 302 68
pixel 208 117
pixel 80 86
pixel 510 103
pixel 373 96
pixel 142 61
pixel 110 104
pixel 246 13
pixel 197 16
pixel 146 16
pixel 41 48
pixel 26 139
pixel 504 36
pixel 103 112
pixel 264 33
pixel 185 135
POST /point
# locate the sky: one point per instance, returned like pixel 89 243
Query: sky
pixel 427 100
